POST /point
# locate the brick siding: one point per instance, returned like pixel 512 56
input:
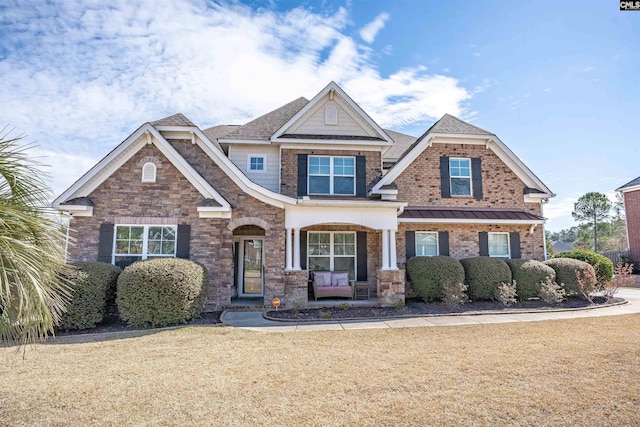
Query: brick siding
pixel 632 209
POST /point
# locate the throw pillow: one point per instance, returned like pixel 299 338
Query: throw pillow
pixel 343 282
pixel 337 276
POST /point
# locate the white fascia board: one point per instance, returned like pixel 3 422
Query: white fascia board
pixel 400 166
pixel 238 177
pixel 351 203
pixel 537 198
pixel 627 189
pixel 299 146
pixel 340 142
pixel 76 210
pixel 471 221
pixel 316 99
pixel 380 218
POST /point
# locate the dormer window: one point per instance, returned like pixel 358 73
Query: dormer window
pixel 149 172
pixel 331 115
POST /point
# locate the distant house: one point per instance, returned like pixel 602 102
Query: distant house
pixel 631 193
pixel 315 185
pixel 561 246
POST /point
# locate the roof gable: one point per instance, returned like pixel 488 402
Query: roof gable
pixel 634 184
pixel 457 131
pixel 175 120
pixel 304 125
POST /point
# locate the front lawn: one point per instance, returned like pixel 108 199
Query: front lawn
pixel 573 372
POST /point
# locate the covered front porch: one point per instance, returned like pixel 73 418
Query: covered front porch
pixel 357 239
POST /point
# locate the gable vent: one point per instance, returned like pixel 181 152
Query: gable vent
pixel 149 172
pixel 331 115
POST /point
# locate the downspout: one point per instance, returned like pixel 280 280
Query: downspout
pixel 66 240
pixel 544 233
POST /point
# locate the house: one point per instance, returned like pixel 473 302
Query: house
pixel 313 185
pixel 631 193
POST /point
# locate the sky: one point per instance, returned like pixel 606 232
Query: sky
pixel 558 82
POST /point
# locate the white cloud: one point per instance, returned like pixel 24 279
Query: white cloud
pixel 369 31
pixel 78 77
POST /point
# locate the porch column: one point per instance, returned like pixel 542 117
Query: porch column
pixel 288 250
pixel 296 249
pixel 393 264
pixel 385 249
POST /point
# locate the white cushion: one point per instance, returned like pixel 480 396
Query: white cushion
pixel 335 276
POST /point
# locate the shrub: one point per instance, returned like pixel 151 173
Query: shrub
pixel 567 271
pixel 528 274
pixel 455 294
pixel 161 291
pixel 551 292
pixel 602 265
pixel 428 275
pixel 93 284
pixel 483 275
pixel 506 293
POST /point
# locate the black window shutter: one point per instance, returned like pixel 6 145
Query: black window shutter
pixel 361 237
pixel 302 175
pixel 514 244
pixel 443 243
pixel 183 243
pixel 410 239
pixel 483 242
pixel 445 183
pixel 476 177
pixel 361 176
pixel 105 242
pixel 303 250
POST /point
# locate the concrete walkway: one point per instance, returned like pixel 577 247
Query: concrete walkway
pixel 253 320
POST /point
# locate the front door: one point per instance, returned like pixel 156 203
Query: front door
pixel 250 266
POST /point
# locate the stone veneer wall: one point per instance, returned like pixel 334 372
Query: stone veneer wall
pixel 289 170
pixel 391 286
pixel 419 184
pixel 124 196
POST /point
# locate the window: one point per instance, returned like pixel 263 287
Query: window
pixel 332 175
pixel 137 242
pixel 460 175
pixel 426 243
pixel 332 251
pixel 257 163
pixel 331 115
pixel 149 172
pixel 499 245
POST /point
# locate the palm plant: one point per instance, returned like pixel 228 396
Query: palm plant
pixel 33 291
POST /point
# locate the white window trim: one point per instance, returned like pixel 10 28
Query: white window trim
pixel 145 240
pixel 258 156
pixel 470 178
pixel 331 255
pixel 327 116
pixel 331 175
pixel 508 244
pixel 155 172
pixel 437 242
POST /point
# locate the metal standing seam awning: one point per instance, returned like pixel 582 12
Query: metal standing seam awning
pixel 468 215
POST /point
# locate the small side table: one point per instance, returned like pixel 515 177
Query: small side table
pixel 361 290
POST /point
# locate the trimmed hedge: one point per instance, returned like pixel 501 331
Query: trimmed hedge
pixel 483 275
pixel 94 283
pixel 428 275
pixel 161 292
pixel 566 268
pixel 602 265
pixel 528 274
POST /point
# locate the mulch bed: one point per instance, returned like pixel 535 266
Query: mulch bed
pixel 113 323
pixel 419 308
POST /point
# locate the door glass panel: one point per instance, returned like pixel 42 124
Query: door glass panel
pixel 252 267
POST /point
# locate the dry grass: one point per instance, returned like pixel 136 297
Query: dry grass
pixel 574 372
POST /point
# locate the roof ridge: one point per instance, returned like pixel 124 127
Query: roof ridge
pixel 177 119
pixel 266 118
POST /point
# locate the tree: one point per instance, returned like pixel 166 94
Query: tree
pixel 592 208
pixel 33 291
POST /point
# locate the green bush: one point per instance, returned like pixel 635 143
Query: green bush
pixel 528 274
pixel 483 275
pixel 428 275
pixel 566 269
pixel 93 284
pixel 161 292
pixel 601 264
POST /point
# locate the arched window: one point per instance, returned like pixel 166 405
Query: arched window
pixel 149 172
pixel 331 115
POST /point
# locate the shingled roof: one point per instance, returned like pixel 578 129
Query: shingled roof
pixel 265 126
pixel 175 120
pixel 451 124
pixel 220 131
pixel 401 143
pixel 632 183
